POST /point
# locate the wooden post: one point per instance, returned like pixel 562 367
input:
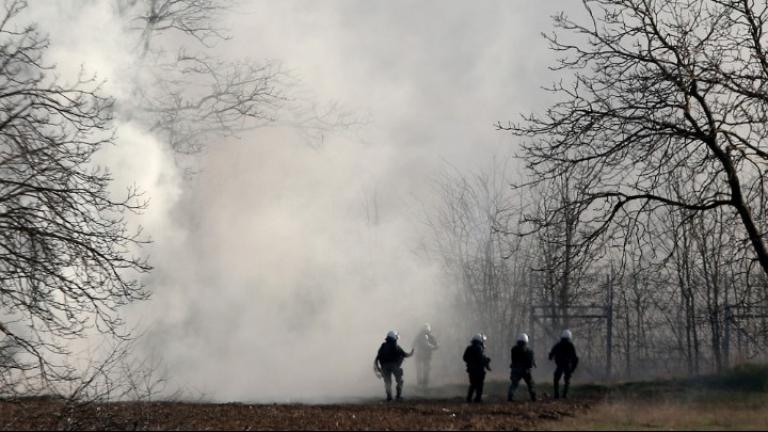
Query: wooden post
pixel 727 341
pixel 532 327
pixel 609 329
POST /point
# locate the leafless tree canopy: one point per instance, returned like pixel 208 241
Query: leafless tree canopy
pixel 663 92
pixel 195 18
pixel 191 97
pixel 202 99
pixel 66 253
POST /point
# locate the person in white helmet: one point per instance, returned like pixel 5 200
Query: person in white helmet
pixel 477 364
pixel 522 363
pixel 389 361
pixel 566 360
pixel 424 344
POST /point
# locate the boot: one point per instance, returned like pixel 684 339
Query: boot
pixel 557 390
pixel 565 391
pixel 479 395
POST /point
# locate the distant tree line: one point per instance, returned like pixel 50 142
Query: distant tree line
pixel 644 190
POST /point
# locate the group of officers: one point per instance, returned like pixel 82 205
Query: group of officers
pixel 389 360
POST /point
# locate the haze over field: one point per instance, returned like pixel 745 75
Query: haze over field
pixel 281 264
pixel 215 201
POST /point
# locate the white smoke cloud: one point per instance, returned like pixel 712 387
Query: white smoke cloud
pixel 280 266
pixel 288 282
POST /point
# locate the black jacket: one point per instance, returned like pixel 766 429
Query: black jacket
pixel 564 354
pixel 477 361
pixel 522 357
pixel 391 353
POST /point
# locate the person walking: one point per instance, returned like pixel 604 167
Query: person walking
pixel 477 364
pixel 566 360
pixel 522 363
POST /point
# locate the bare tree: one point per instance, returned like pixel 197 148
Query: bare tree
pixel 66 251
pixel 661 90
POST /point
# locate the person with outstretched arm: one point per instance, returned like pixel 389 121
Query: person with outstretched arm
pixel 389 362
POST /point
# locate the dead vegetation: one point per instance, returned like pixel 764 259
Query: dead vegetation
pixel 629 414
pixel 736 400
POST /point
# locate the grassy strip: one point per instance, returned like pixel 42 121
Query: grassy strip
pixel 736 399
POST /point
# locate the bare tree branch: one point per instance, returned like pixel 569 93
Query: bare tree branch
pixel 661 90
pixel 66 251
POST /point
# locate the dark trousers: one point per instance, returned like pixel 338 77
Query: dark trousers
pixel 388 371
pixel 476 381
pixel 560 372
pixel 422 370
pixel 515 377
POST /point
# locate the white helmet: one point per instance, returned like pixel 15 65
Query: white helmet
pixel 393 335
pixel 566 334
pixel 479 338
pixel 523 338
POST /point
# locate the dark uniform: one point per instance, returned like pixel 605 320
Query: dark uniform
pixel 424 343
pixel 477 364
pixel 389 360
pixel 522 363
pixel 564 354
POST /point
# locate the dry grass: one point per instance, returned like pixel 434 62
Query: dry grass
pixel 736 399
pixel 700 412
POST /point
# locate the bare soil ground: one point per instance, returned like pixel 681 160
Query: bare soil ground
pixel 405 415
pixel 735 400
